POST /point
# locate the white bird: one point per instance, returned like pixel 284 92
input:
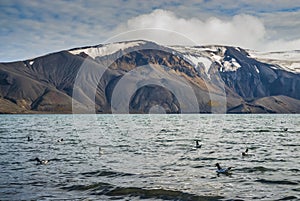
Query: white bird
pixel 101 151
pixel 222 170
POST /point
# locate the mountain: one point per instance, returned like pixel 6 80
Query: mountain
pixel 145 77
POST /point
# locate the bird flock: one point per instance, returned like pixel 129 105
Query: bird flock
pixel 220 170
pixel 37 159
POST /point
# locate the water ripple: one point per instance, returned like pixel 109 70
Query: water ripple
pixel 156 160
pixel 281 182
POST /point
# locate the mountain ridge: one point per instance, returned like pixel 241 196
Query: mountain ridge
pixel 214 73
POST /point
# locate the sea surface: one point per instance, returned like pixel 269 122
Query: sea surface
pixel 149 157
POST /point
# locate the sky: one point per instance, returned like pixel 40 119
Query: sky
pixel 33 28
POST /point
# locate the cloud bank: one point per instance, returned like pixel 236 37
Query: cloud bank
pixel 240 30
pixel 33 28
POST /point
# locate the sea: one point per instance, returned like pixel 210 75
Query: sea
pixel 150 157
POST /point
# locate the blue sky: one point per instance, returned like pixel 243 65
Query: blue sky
pixel 36 27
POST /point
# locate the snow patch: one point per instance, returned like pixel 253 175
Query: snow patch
pixel 31 62
pixel 256 69
pixel 107 49
pixel 289 61
pixel 207 55
pixel 197 56
pixel 228 65
pixel 235 63
pixel 196 60
pixel 289 55
pixel 231 65
pixel 217 58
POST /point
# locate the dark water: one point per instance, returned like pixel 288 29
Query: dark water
pixel 149 157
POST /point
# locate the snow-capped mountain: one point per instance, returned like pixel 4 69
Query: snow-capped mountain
pixel 289 60
pixel 179 79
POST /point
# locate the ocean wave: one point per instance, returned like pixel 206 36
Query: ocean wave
pixel 281 182
pixel 106 174
pixel 110 190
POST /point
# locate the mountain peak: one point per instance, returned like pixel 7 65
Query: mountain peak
pixel 107 49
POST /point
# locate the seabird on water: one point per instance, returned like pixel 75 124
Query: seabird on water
pixel 60 140
pixel 245 153
pixel 41 162
pixel 101 151
pixel 197 144
pixel 222 170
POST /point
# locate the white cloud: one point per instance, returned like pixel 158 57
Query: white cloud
pixel 241 30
